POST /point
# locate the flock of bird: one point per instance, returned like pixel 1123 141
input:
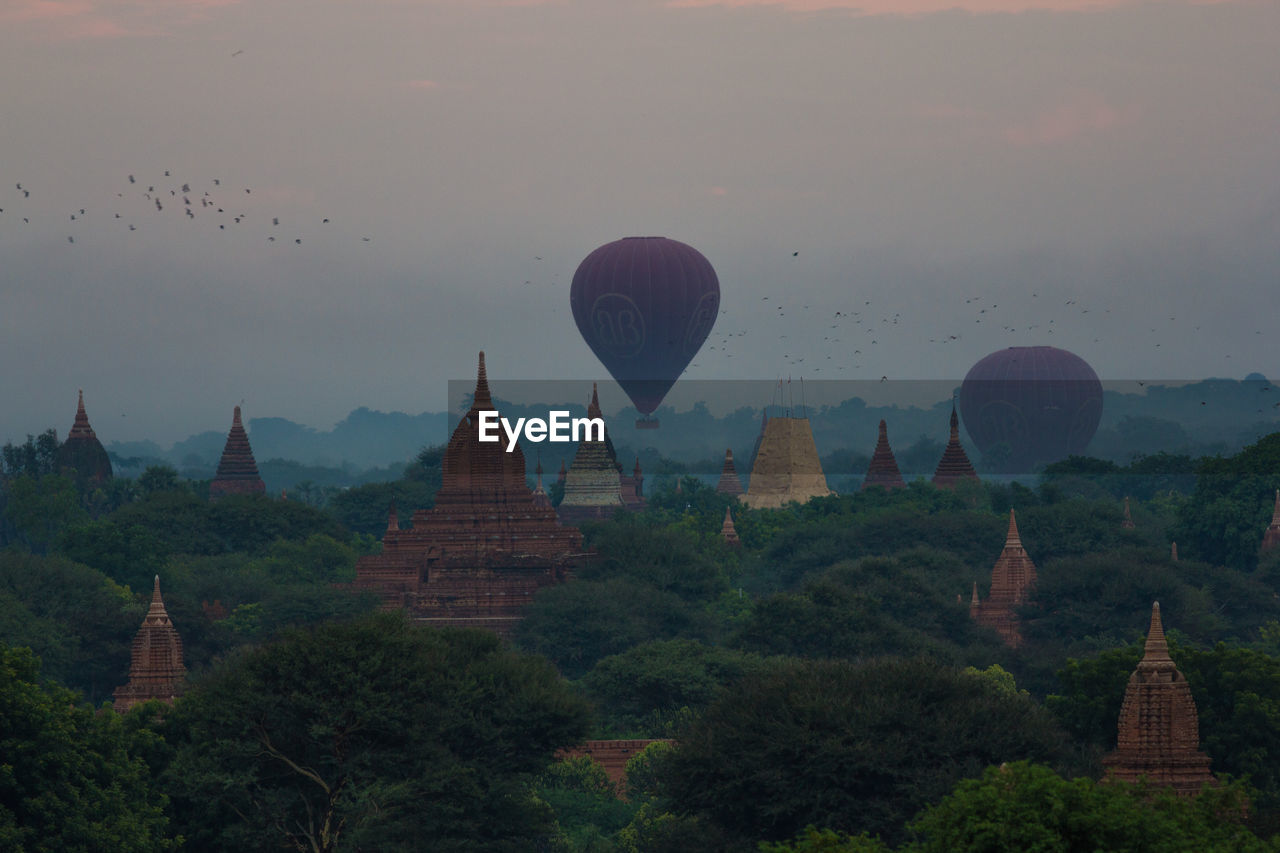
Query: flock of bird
pixel 142 200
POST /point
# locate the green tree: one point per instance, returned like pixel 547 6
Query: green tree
pixel 852 747
pixel 371 734
pixel 1224 520
pixel 1027 808
pixel 40 508
pixel 129 555
pixel 70 778
pixel 36 458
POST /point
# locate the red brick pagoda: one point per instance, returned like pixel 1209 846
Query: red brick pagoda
pixel 1271 538
pixel 156 670
pixel 82 454
pixel 477 557
pixel 729 483
pixel 1159 735
pixel 1012 578
pixel 954 466
pixel 883 470
pixel 237 471
pixel 728 532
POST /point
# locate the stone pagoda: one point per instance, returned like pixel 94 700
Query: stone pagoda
pixel 954 466
pixel 1159 736
pixel 1271 538
pixel 156 670
pixel 883 470
pixel 1012 578
pixel 728 532
pixel 729 483
pixel 237 471
pixel 593 483
pixel 476 558
pixel 786 466
pixel 82 454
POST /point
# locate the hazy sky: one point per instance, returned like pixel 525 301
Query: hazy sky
pixel 980 160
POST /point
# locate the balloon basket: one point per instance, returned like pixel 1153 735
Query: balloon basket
pixel 647 423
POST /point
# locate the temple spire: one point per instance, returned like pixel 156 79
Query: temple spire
pixel 954 465
pixel 481 396
pixel 1271 538
pixel 1012 579
pixel 727 531
pixel 593 407
pixel 156 670
pixel 237 472
pixel 1011 538
pixel 80 428
pixel 1127 524
pixel 1156 652
pixel 1173 551
pixel 729 483
pixel 393 519
pixel 883 470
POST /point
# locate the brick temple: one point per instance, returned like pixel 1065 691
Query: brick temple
pixel 1159 734
pixel 477 557
pixel 786 466
pixel 156 670
pixel 1012 578
pixel 954 467
pixel 82 454
pixel 883 470
pixel 237 470
pixel 729 484
pixel 728 532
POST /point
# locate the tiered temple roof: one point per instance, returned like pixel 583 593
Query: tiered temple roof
pixel 82 454
pixel 729 483
pixel 237 471
pixel 883 470
pixel 1127 524
pixel 156 670
pixel 727 531
pixel 477 557
pixel 593 483
pixel 1159 734
pixel 786 467
pixel 1012 578
pixel 954 466
pixel 1271 538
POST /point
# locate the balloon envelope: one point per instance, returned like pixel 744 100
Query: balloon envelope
pixel 645 305
pixel 1042 403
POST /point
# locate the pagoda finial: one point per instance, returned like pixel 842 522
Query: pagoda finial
pixel 727 531
pixel 973 600
pixel 157 602
pixel 235 418
pixel 393 519
pixel 1128 519
pixel 1012 537
pixel 80 427
pixel 563 471
pixel 955 420
pixel 1173 551
pixel 1156 651
pixel 1275 514
pixel 537 469
pixel 593 408
pixel 636 472
pixel 481 396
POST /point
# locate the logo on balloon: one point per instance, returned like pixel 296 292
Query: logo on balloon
pixel 618 325
pixel 701 321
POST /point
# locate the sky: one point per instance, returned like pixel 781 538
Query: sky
pixel 966 175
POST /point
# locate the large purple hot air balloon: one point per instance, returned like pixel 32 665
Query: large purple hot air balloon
pixel 1042 403
pixel 645 305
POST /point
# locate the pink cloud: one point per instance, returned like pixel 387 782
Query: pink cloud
pixel 1084 114
pixel 923 7
pixel 75 19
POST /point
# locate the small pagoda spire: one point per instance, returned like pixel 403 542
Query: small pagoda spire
pixel 393 519
pixel 237 472
pixel 883 470
pixel 80 428
pixel 1155 655
pixel 636 472
pixel 1012 578
pixel 727 530
pixel 1012 538
pixel 540 496
pixel 729 483
pixel 563 471
pixel 679 488
pixel 1271 538
pixel 1128 519
pixel 593 407
pixel 481 397
pixel 954 465
pixel 973 600
pixel 1173 551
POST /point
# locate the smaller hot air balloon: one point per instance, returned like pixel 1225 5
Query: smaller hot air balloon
pixel 1028 406
pixel 645 305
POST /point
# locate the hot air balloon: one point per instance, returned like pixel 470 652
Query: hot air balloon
pixel 1028 406
pixel 645 305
